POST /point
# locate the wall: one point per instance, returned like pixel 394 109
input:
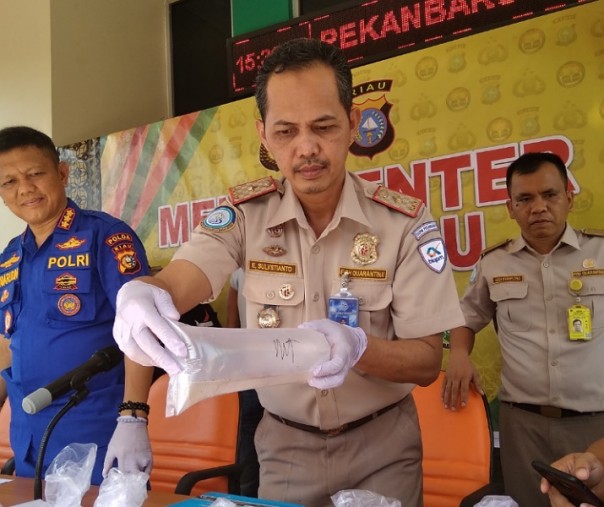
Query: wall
pixel 25 64
pixel 78 69
pixel 109 66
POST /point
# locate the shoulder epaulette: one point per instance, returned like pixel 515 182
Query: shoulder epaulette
pixel 252 189
pixel 494 247
pixel 400 202
pixel 593 232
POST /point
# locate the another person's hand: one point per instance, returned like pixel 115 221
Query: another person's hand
pixel 129 446
pixel 584 466
pixel 140 321
pixel 460 375
pixel 347 346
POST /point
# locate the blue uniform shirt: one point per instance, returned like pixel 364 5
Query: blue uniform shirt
pixel 57 305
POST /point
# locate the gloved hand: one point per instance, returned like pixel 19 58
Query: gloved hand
pixel 140 320
pixel 347 346
pixel 130 446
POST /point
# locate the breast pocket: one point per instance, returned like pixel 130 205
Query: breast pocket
pixel 70 296
pixel 592 296
pixel 285 293
pixel 374 304
pixel 511 305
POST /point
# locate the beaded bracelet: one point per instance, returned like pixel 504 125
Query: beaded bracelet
pixel 134 406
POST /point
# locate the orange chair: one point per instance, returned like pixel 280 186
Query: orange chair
pixel 199 444
pixel 458 447
pixel 6 452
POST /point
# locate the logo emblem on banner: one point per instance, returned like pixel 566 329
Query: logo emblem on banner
pixel 375 133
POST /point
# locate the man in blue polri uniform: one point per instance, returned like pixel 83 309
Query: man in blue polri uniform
pixel 58 284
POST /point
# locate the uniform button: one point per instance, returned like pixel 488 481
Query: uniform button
pixel 554 363
pixel 546 264
pixel 315 297
pixel 315 249
pixel 555 398
pixel 324 392
pixel 361 301
pixel 270 294
pixel 551 331
pixel 549 298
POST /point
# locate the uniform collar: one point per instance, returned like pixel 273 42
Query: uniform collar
pixel 289 207
pixel 569 237
pixel 65 224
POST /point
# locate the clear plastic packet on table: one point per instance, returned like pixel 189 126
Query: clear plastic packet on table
pixel 225 360
pixel 362 498
pixel 119 489
pixel 496 501
pixel 68 476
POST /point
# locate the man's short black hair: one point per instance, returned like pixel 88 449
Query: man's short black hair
pixel 301 53
pixel 21 137
pixel 531 162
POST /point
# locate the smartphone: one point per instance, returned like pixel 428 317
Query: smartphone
pixel 572 488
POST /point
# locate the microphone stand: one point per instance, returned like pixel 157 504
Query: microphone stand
pixel 77 397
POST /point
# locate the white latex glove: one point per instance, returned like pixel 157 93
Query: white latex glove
pixel 130 446
pixel 140 321
pixel 347 346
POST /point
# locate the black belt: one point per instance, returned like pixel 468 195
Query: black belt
pixel 334 431
pixel 549 411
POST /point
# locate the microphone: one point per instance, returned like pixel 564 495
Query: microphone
pixel 102 360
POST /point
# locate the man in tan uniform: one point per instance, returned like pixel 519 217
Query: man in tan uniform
pixel 299 240
pixel 535 287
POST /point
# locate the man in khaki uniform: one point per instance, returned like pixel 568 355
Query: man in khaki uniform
pixel 535 287
pixel 299 240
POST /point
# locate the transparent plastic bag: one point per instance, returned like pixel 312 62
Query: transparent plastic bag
pixel 222 360
pixel 496 501
pixel 362 498
pixel 121 489
pixel 68 476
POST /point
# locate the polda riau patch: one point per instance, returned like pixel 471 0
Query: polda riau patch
pixel 221 219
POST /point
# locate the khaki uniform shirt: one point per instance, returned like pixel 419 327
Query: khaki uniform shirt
pixel 401 296
pixel 528 295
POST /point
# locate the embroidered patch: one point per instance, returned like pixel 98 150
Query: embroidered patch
pixel 119 237
pixel 508 278
pixel 9 277
pixel 272 267
pixel 434 254
pixel 424 229
pixel 127 261
pixel 220 219
pixel 8 320
pixel 363 274
pixel 66 219
pixel 69 304
pixel 66 281
pixel 10 261
pixel 71 243
pixel 589 272
pixel 474 275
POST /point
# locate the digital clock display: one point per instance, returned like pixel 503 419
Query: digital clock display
pixel 378 29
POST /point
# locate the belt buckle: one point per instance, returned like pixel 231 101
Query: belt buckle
pixel 552 412
pixel 334 432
